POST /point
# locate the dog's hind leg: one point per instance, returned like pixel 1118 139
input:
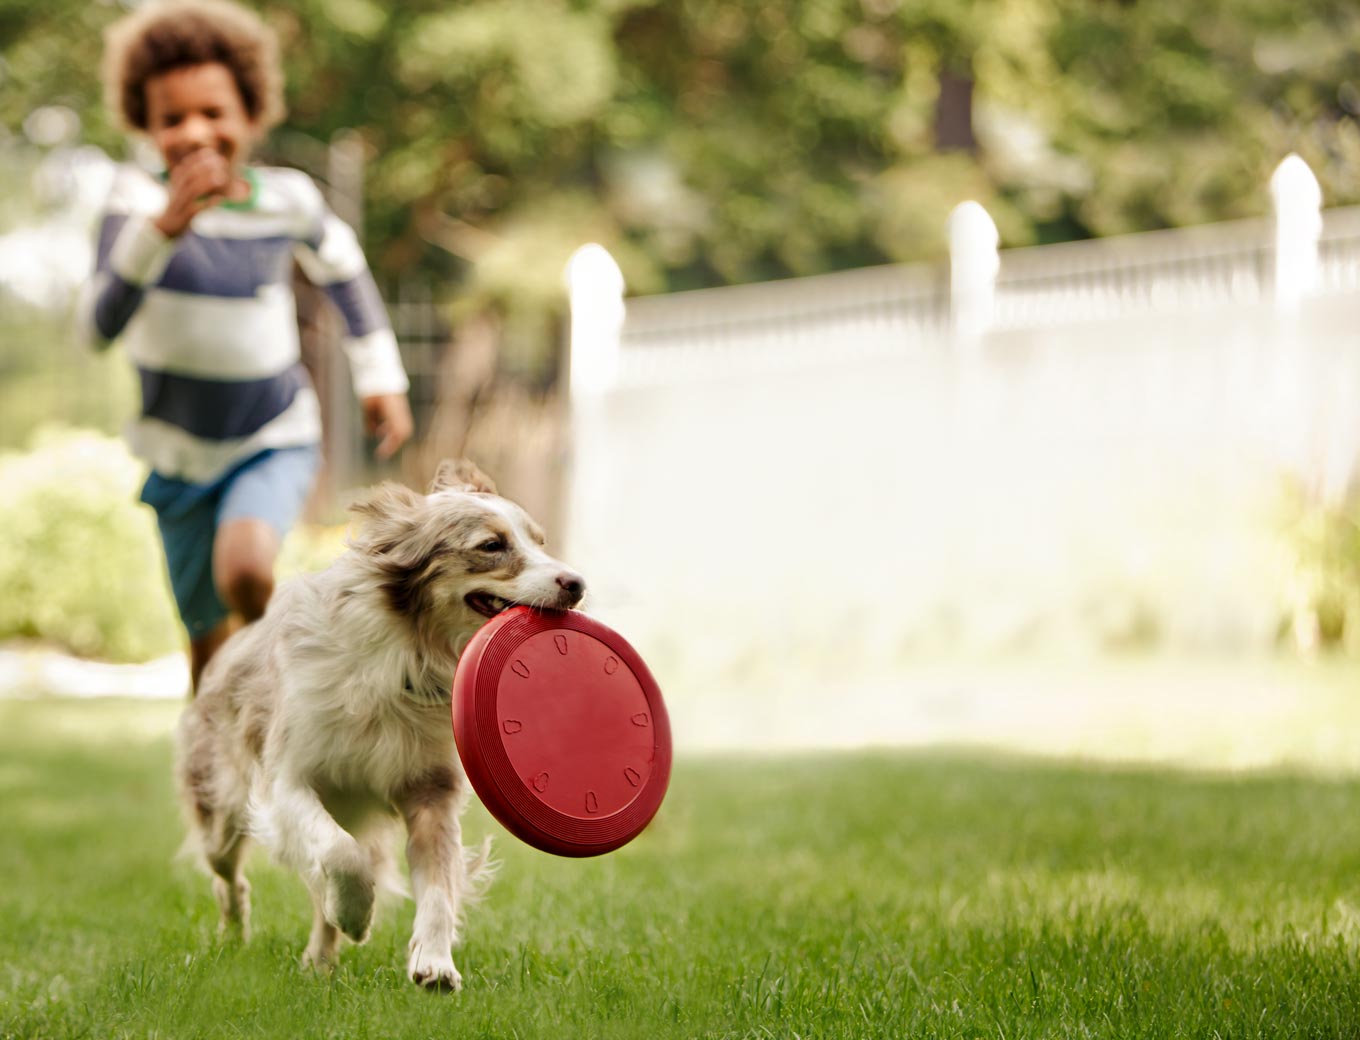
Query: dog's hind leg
pixel 215 826
pixel 225 845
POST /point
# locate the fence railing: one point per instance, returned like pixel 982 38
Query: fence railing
pixel 1134 274
pixel 895 308
pixel 800 321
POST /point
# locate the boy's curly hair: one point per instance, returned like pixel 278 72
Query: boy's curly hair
pixel 161 36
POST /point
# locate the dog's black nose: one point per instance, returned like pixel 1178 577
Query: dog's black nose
pixel 572 584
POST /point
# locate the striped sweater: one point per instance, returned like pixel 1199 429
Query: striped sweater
pixel 210 321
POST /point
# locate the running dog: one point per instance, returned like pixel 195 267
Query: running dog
pixel 321 725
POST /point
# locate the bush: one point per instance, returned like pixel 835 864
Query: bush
pixel 1322 590
pixel 80 560
pixel 81 565
pixel 309 547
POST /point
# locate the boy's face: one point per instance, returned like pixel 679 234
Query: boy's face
pixel 198 106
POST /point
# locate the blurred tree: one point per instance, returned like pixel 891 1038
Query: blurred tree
pixel 706 141
pixel 1180 112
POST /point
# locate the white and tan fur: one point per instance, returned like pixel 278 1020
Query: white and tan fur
pixel 321 725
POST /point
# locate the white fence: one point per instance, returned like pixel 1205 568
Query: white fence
pixel 1081 444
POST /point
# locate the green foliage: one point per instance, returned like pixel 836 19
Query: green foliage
pixel 46 377
pixel 80 561
pixel 1182 112
pixel 528 68
pixel 710 141
pixel 1323 542
pixel 310 547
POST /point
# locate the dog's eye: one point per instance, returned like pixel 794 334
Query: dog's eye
pixel 492 545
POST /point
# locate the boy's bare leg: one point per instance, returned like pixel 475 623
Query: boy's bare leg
pixel 243 565
pixel 243 570
pixel 202 648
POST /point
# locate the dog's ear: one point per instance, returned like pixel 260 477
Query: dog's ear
pixel 387 515
pixel 461 475
pixel 387 501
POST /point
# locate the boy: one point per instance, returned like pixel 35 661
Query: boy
pixel 193 275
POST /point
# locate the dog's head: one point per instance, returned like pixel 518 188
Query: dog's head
pixel 449 560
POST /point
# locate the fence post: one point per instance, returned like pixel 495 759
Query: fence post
pixel 1297 199
pixel 595 290
pixel 343 433
pixel 345 177
pixel 973 266
pixel 595 286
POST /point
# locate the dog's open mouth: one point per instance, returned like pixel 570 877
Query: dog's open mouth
pixel 486 604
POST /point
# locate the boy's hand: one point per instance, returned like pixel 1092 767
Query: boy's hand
pixel 200 180
pixel 388 417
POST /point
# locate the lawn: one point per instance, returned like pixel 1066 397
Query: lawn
pixel 885 894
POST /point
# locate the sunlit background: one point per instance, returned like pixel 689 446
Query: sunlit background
pixel 895 372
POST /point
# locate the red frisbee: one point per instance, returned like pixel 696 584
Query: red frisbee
pixel 561 730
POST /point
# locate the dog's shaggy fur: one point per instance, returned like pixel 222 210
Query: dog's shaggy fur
pixel 321 724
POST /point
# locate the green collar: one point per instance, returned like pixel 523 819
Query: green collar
pixel 249 202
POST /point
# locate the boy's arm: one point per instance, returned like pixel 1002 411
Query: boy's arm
pixel 136 241
pixel 130 256
pixel 331 258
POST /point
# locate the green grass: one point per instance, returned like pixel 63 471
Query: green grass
pixel 947 894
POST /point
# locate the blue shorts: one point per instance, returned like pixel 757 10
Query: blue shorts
pixel 271 486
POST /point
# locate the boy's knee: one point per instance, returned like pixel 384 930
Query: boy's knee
pixel 243 566
pixel 246 589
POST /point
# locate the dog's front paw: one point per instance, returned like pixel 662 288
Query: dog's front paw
pixel 349 903
pixel 318 960
pixel 349 893
pixel 432 967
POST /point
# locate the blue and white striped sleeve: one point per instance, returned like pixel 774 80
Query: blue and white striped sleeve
pixel 131 255
pixel 331 257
